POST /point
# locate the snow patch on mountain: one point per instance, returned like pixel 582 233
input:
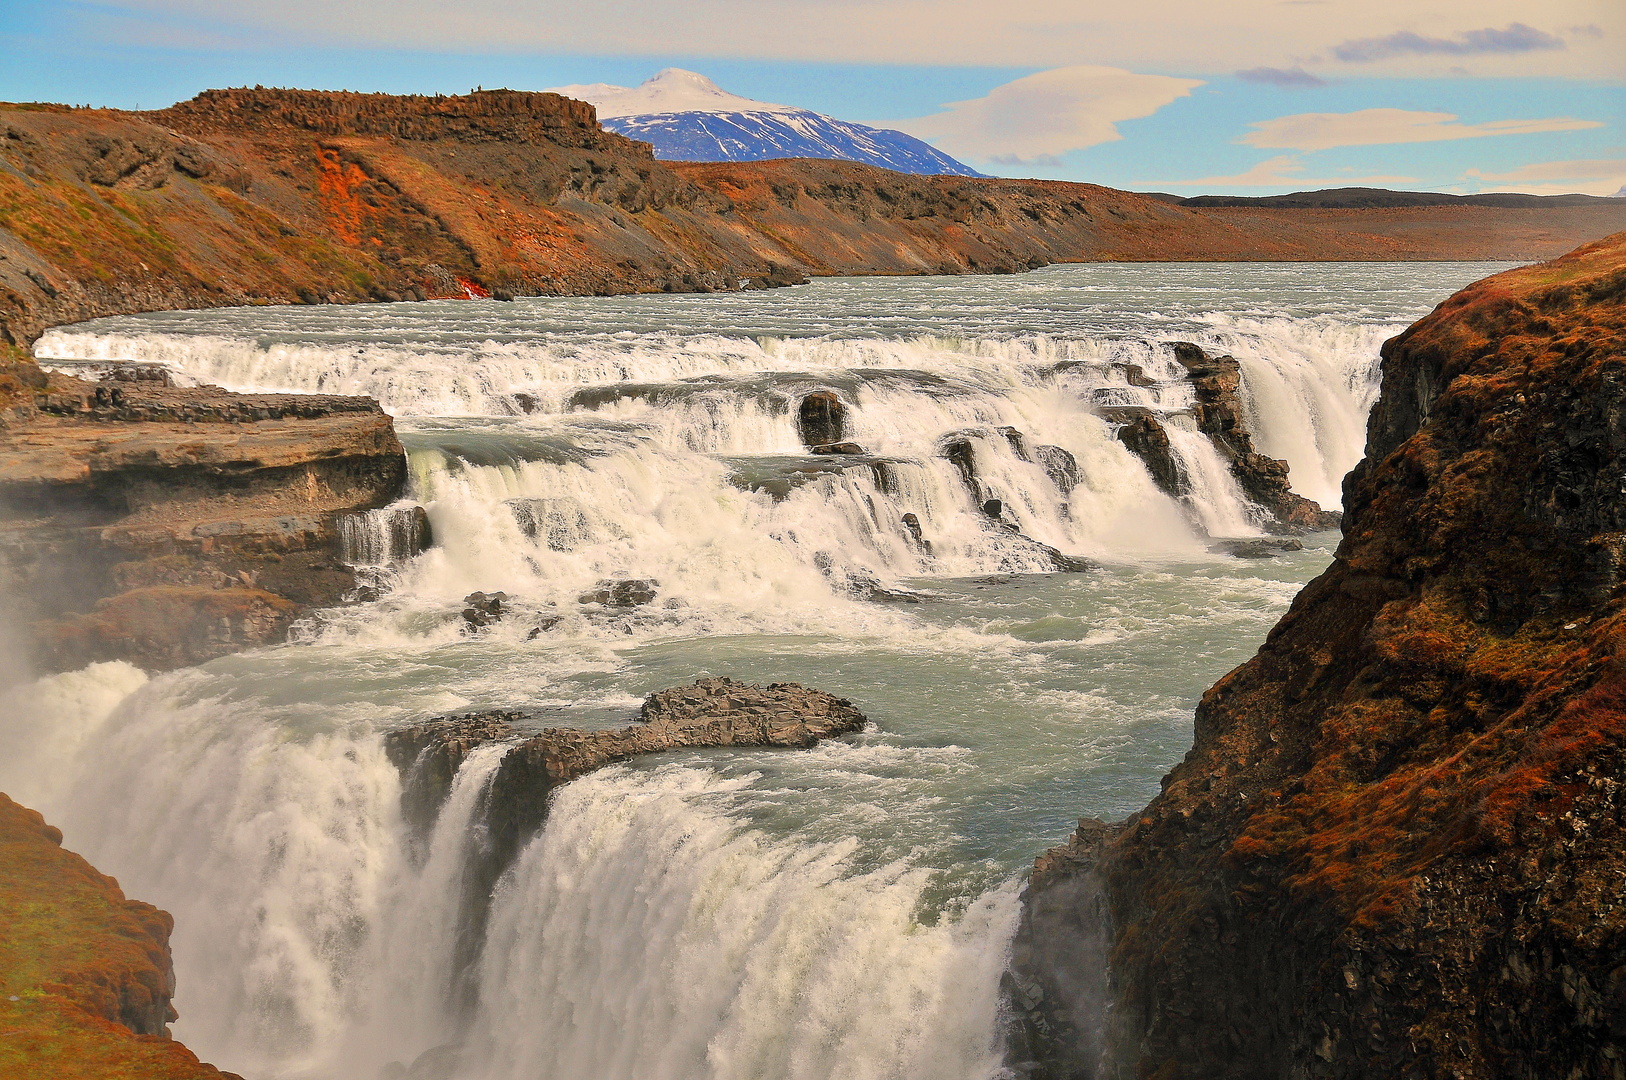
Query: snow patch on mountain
pixel 687 117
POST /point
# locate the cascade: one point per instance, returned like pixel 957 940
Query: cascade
pixel 843 911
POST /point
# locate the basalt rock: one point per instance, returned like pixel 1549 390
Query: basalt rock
pixel 1255 548
pixel 822 419
pixel 1217 381
pixel 1146 438
pixel 621 593
pixel 168 526
pixel 1060 466
pixel 1396 846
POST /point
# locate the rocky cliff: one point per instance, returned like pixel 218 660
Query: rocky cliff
pixel 279 196
pixel 85 974
pixel 1395 848
pixel 169 526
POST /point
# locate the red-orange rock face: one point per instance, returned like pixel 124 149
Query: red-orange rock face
pixel 1396 847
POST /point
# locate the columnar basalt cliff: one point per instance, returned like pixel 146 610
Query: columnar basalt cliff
pixel 85 974
pixel 169 526
pixel 1395 848
pixel 282 196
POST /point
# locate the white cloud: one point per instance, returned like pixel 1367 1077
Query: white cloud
pixel 1595 176
pixel 1037 119
pixel 1282 173
pixel 1375 127
pixel 1164 35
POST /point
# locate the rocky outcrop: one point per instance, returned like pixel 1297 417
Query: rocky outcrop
pixel 1216 384
pixel 1147 439
pixel 255 195
pixel 713 712
pixel 1395 847
pixel 821 419
pixel 169 526
pixel 84 972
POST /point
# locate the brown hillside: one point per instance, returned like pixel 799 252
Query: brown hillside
pixel 274 196
pixel 85 975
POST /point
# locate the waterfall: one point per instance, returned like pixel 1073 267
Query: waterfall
pixel 843 911
pixel 382 538
pixel 643 936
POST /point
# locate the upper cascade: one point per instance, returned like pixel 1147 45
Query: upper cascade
pixel 687 117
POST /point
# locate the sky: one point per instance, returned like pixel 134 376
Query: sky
pixel 1245 97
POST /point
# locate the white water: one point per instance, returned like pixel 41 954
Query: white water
pixel 837 912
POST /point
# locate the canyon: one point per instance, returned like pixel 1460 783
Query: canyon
pixel 1390 851
pixel 1394 848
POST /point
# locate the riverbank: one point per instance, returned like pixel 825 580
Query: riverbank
pixel 168 526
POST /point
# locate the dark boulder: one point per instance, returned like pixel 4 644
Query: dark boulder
pixel 821 418
pixel 1060 466
pixel 621 592
pixel 1146 438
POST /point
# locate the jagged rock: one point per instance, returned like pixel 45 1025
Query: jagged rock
pixel 1060 466
pixel 622 592
pixel 959 452
pixel 1218 410
pixel 838 448
pixel 1255 547
pixel 1019 445
pixel 912 523
pixel 543 626
pixel 821 419
pixel 993 508
pixel 484 608
pixel 1146 439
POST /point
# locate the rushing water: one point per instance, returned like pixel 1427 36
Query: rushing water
pixel 837 912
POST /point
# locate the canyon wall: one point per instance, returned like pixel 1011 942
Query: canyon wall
pixel 169 526
pixel 280 196
pixel 1395 848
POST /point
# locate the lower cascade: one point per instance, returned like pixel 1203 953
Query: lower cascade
pixel 440 834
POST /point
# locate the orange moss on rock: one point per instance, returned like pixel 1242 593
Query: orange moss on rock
pixel 85 976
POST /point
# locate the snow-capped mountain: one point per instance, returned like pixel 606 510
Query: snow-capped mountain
pixel 690 118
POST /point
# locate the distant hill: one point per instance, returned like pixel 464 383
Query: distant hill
pixel 687 117
pixel 1360 198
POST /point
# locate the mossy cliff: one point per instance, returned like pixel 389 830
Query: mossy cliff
pixel 1396 848
pixel 85 975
